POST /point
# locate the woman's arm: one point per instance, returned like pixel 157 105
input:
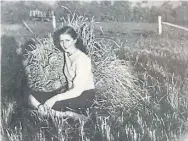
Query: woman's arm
pixel 43 110
pixel 33 102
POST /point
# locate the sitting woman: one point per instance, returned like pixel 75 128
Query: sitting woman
pixel 80 91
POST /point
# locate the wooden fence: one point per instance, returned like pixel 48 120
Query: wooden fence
pixel 160 23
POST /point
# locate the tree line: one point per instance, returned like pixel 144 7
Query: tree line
pixel 121 11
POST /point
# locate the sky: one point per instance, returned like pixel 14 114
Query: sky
pixel 149 3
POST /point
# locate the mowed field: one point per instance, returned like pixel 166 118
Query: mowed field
pixel 127 32
pixel 40 29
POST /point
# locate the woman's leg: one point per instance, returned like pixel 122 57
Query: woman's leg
pixel 78 104
pixel 43 96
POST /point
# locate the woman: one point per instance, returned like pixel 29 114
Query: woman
pixel 77 69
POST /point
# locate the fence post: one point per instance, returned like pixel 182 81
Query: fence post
pixel 159 25
pixel 54 22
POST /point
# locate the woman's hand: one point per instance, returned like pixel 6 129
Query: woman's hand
pixel 43 110
pixel 50 102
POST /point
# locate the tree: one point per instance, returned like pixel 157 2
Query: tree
pixel 105 9
pixel 15 12
pixel 154 13
pixel 180 13
pixel 122 10
pixel 166 12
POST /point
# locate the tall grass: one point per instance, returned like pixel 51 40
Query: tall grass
pixel 161 66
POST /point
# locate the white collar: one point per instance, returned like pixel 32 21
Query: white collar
pixel 71 55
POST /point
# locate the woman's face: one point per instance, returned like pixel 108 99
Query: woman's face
pixel 67 42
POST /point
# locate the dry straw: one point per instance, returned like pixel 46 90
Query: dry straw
pixel 113 77
pixel 43 66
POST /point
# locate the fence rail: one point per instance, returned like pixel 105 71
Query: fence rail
pixel 169 24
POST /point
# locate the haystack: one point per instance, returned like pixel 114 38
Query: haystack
pixel 113 78
pixel 43 66
pixel 43 61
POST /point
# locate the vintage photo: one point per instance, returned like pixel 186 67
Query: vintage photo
pixel 94 70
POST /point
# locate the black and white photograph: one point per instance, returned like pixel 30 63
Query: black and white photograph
pixel 94 70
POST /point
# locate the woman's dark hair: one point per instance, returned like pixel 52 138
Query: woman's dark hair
pixel 70 31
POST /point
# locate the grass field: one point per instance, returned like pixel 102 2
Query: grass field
pixel 112 27
pixel 158 113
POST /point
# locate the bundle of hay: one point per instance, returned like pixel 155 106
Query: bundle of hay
pixel 113 77
pixel 43 66
pixel 116 84
pixel 43 61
